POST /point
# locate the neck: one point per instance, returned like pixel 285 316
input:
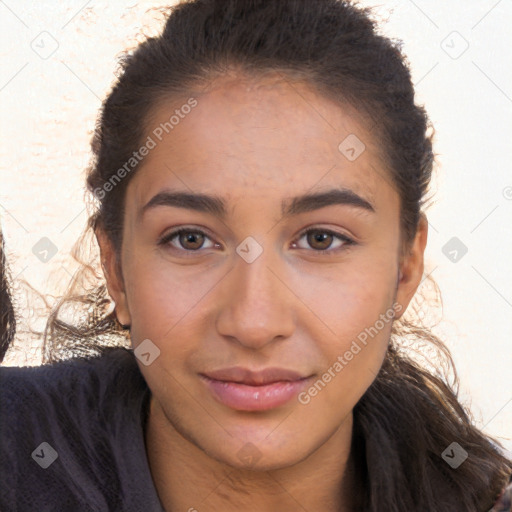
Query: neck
pixel 186 478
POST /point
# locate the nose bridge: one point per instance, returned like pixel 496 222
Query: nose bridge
pixel 257 308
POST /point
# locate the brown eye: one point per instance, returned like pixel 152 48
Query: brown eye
pixel 191 240
pixel 186 240
pixel 319 240
pixel 323 241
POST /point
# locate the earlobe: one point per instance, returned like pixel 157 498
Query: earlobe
pixel 411 268
pixel 113 277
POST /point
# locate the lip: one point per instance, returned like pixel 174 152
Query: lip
pixel 253 378
pixel 245 390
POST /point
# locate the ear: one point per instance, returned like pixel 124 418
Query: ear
pixel 113 275
pixel 411 267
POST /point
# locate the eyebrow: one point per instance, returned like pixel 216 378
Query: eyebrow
pixel 216 206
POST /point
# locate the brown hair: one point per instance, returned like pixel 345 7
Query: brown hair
pixel 410 414
pixel 7 317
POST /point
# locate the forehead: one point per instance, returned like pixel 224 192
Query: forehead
pixel 265 137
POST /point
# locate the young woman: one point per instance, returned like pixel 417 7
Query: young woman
pixel 259 171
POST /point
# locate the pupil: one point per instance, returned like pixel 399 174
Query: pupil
pixel 324 239
pixel 194 240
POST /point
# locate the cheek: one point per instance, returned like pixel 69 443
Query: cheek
pixel 351 325
pixel 352 359
pixel 347 300
pixel 161 296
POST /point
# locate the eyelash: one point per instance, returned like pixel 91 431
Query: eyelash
pixel 166 239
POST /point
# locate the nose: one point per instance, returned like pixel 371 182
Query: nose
pixel 258 305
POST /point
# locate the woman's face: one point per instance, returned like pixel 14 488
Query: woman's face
pixel 290 260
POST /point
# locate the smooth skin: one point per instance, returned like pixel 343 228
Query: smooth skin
pixel 255 143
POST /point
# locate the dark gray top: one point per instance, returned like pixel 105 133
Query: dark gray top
pixel 72 436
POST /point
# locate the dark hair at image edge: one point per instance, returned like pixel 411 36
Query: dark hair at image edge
pixel 410 414
pixel 7 316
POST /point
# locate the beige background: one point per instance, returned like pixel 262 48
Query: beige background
pixel 58 60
